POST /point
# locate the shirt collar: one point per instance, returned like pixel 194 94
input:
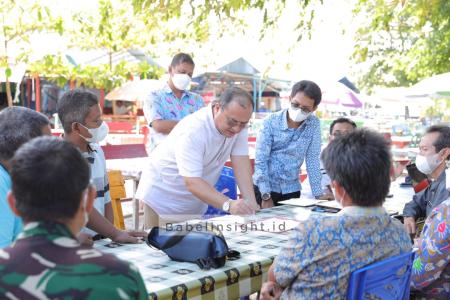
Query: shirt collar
pixel 52 231
pixel 168 90
pixel 362 211
pixel 211 120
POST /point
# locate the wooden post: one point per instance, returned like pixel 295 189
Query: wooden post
pixel 102 98
pixel 38 93
pixel 71 84
pixel 28 92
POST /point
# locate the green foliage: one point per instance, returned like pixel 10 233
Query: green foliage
pixel 60 71
pixel 402 41
pixel 19 19
pixel 228 12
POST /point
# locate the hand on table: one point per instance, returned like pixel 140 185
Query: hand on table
pixel 326 197
pixel 243 207
pixel 267 203
pixel 129 237
pixel 270 290
pixel 410 225
pixel 85 239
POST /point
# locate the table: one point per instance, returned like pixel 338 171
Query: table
pixel 400 196
pixel 166 279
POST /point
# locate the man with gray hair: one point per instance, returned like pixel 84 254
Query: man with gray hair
pixel 18 126
pixel 178 183
pixel 81 117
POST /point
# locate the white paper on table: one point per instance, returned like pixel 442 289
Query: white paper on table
pixel 304 202
pixel 275 225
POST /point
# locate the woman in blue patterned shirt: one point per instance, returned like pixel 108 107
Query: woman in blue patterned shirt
pixel 288 138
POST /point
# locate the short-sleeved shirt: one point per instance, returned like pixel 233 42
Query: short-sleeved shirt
pixel 194 148
pixel 10 224
pixel 280 152
pixel 47 262
pixel 431 268
pixel 324 250
pixel 99 178
pixel 162 104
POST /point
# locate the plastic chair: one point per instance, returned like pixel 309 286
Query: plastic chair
pixel 387 279
pixel 227 185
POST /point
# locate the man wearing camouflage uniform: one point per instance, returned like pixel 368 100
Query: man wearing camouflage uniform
pixel 51 193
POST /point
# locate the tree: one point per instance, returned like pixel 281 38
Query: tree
pixel 19 20
pixel 199 13
pixel 402 41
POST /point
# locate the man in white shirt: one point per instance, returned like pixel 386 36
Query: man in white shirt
pixel 178 183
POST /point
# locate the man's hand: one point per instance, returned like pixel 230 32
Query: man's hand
pixel 410 225
pixel 242 207
pixel 270 290
pixel 267 203
pixel 85 239
pixel 326 197
pixel 129 237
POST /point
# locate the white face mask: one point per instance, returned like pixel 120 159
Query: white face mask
pixel 427 164
pixel 181 81
pixel 297 115
pixel 98 134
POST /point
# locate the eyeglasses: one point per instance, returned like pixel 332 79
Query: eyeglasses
pixel 305 110
pixel 340 133
pixel 233 123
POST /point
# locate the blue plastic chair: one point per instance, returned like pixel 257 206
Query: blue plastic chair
pixel 226 181
pixel 387 279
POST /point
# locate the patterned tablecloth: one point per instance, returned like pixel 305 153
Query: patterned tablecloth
pixel 167 279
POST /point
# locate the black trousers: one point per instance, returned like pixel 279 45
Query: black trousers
pixel 276 197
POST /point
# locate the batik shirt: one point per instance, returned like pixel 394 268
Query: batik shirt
pixel 164 105
pixel 324 250
pixel 280 152
pixel 47 262
pixel 431 269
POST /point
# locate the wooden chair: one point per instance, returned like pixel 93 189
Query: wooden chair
pixel 118 195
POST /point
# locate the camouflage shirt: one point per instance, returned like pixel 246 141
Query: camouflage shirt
pixel 47 262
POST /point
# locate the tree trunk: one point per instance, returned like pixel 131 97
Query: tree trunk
pixel 8 92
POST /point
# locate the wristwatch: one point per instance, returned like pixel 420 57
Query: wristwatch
pixel 226 205
pixel 265 196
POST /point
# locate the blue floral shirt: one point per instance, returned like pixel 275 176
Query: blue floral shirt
pixel 280 152
pixel 166 106
pixel 162 104
pixel 318 259
pixel 431 268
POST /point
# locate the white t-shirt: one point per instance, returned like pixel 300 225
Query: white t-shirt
pixel 99 178
pixel 194 148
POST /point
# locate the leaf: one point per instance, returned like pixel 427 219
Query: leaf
pixel 8 72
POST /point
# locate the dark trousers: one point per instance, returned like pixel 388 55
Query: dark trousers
pixel 276 197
